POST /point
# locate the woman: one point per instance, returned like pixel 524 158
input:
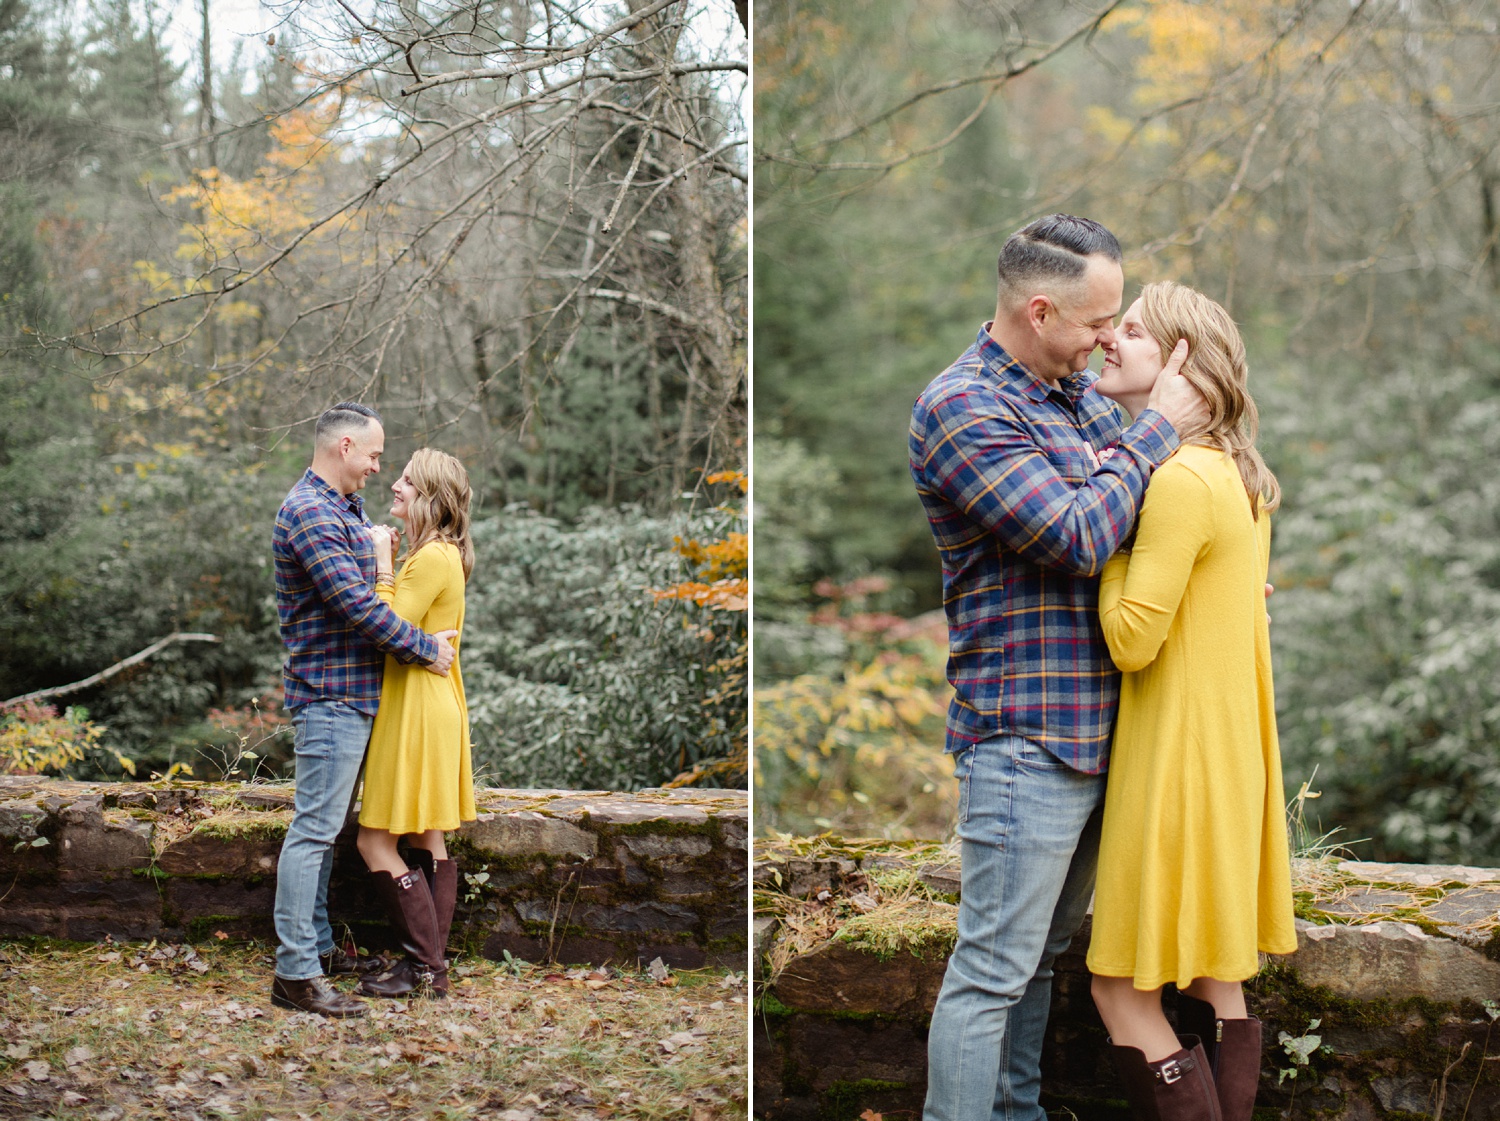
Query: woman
pixel 1194 877
pixel 418 774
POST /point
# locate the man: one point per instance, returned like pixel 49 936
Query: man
pixel 1030 485
pixel 338 632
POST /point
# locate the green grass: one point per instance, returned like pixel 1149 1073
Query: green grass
pixel 122 1032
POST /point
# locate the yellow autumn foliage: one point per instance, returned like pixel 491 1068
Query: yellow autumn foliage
pixel 35 738
pixel 861 753
pixel 721 580
pixel 240 220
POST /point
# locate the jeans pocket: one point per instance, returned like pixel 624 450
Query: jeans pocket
pixel 963 770
pixel 313 737
pixel 1034 757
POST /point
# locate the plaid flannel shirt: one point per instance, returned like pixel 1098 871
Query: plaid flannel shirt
pixel 336 628
pixel 1029 489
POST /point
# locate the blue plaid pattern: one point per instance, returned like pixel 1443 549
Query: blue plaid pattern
pixel 1029 489
pixel 335 627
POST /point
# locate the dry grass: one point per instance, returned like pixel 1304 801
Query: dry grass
pixel 884 911
pixel 116 1032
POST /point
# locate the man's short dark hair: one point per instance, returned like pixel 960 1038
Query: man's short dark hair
pixel 344 417
pixel 1055 248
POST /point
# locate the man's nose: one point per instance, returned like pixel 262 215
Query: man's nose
pixel 1106 337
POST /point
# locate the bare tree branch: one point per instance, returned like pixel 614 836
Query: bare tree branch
pixel 119 667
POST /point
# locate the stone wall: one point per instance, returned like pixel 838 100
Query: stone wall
pixel 1399 965
pixel 572 876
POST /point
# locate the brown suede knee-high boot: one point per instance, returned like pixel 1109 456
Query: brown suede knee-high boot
pixel 442 881
pixel 1233 1048
pixel 408 904
pixel 1177 1088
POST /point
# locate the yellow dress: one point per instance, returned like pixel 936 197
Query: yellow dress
pixel 418 773
pixel 1194 876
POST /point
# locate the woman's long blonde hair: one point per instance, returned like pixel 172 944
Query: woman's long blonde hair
pixel 440 511
pixel 1216 368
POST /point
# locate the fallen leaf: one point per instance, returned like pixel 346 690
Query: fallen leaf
pixel 109 958
pixel 18 1051
pixel 37 1070
pixel 658 970
pixel 871 1115
pixel 78 1055
pixel 594 983
pixel 863 902
pixel 73 1097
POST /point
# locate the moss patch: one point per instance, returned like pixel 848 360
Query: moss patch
pixel 844 1100
pixel 257 825
pixel 920 927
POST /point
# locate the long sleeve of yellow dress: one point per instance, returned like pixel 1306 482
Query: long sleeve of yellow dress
pixel 419 771
pixel 422 579
pixel 1140 592
pixel 1194 877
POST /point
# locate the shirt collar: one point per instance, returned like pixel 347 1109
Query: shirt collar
pixel 999 362
pixel 355 502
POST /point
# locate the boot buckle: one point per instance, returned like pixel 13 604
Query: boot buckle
pixel 1173 1069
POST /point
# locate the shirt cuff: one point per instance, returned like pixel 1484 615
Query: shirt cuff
pixel 1152 437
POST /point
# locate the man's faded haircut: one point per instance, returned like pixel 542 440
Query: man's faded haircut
pixel 342 419
pixel 1051 252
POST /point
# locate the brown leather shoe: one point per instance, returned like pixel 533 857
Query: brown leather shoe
pixel 339 964
pixel 315 995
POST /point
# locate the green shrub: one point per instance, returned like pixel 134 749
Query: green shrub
pixel 576 675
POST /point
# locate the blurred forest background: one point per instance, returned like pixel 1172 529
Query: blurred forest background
pixel 518 229
pixel 1330 170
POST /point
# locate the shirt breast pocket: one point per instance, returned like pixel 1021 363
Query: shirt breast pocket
pixel 1075 465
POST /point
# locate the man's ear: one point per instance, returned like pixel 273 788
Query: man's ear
pixel 345 444
pixel 1038 310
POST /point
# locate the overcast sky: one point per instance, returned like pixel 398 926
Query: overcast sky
pixel 247 22
pixel 235 23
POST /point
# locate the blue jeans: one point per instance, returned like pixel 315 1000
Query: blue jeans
pixel 1030 831
pixel 331 738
